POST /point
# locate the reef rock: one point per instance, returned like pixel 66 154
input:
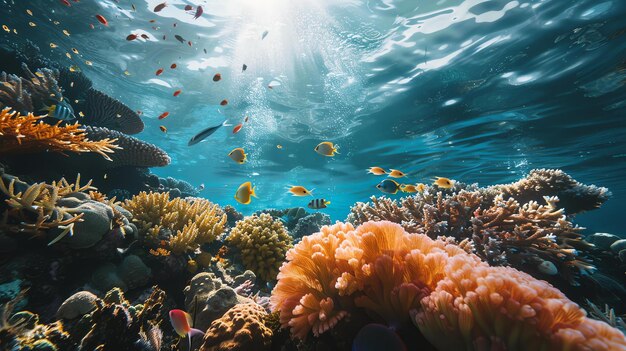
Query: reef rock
pixel 602 240
pixel 131 273
pixel 96 222
pixel 241 328
pixel 77 305
pixel 618 245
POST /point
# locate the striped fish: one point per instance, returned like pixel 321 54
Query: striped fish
pixel 318 204
pixel 61 110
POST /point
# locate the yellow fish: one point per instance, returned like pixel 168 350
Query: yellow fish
pixel 74 68
pixel 29 12
pixel 394 173
pixel 14 31
pixel 53 46
pixel 420 187
pixel 444 183
pixel 66 32
pixel 39 74
pixel 297 190
pixel 69 56
pixel 6 29
pixel 327 148
pixel 80 113
pixel 238 155
pixel 376 171
pixel 89 63
pixel 127 73
pixel 244 193
pixel 408 188
pixel 32 24
pixel 74 50
pixel 279 146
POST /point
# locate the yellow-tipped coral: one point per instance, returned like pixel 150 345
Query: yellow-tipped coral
pixel 27 133
pixel 457 301
pixel 189 222
pixel 263 242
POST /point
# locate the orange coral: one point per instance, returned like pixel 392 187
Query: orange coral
pixel 457 301
pixel 27 133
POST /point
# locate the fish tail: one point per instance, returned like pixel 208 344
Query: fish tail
pixel 326 202
pixel 336 149
pixel 253 192
pixel 311 191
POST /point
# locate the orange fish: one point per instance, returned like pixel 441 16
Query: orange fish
pixel 66 3
pixel 102 20
pixel 181 322
pixel 177 92
pixel 163 129
pixel 159 71
pixel 217 77
pixel 237 128
pixel 444 183
pixel 131 37
pixel 173 66
pixel 189 43
pixel 224 102
pixel 164 115
pixel 160 7
pixel 152 21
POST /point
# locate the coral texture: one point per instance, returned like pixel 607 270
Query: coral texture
pixel 30 92
pixel 392 275
pixel 241 328
pixel 263 242
pixel 77 305
pixel 185 223
pixel 134 152
pixel 102 110
pixel 27 133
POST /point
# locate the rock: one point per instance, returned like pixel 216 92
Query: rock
pixel 96 222
pixel 602 240
pixel 622 255
pixel 134 272
pixel 618 245
pixel 77 305
pixel 241 328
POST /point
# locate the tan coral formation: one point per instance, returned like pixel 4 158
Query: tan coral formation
pixel 263 242
pixel 188 222
pixel 457 301
pixel 241 328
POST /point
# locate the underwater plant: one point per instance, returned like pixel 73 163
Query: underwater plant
pixel 263 242
pixel 395 276
pixel 184 224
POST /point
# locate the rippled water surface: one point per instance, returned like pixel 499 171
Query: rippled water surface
pixel 478 91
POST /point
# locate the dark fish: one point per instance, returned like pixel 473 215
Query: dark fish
pixel 205 51
pixel 204 134
pixel 188 8
pixel 318 204
pixel 265 33
pixel 131 37
pixel 199 12
pixel 179 38
pixel 217 77
pixel 244 67
pixel 145 36
pixel 159 7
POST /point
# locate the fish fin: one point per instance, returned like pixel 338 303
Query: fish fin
pixel 336 149
pixel 253 192
pixel 193 332
pixel 326 202
pixel 311 191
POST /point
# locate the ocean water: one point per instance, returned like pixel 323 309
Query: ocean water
pixel 474 90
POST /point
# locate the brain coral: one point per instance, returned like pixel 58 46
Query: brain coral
pixel 263 242
pixel 241 328
pixel 392 275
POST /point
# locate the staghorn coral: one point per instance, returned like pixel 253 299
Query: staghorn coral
pixel 263 242
pixel 241 328
pixel 102 110
pixel 27 133
pixel 134 152
pixel 187 223
pixel 575 197
pixel 457 301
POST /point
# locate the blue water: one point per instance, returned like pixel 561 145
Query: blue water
pixel 478 91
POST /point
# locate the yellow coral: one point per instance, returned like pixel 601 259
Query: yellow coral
pixel 263 242
pixel 191 222
pixel 21 134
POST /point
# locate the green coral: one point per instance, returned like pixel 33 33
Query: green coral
pixel 263 242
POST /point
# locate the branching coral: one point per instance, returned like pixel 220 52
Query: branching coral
pixel 27 133
pixel 241 328
pixel 457 301
pixel 187 223
pixel 31 92
pixel 263 242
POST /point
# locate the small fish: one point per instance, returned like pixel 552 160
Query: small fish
pixel 126 73
pixel 388 186
pixel 444 183
pixel 74 68
pixel 327 148
pixel 224 102
pixel 199 12
pixel 152 21
pixel 145 36
pixel 318 204
pixel 217 77
pixel 237 128
pixel 32 24
pixel 179 38
pixel 29 12
pixel 245 120
pixel 69 56
pixel 201 187
pixel 376 171
pixel 420 187
pixel 265 33
pixel 102 20
pixel 238 155
pixel 181 322
pixel 298 190
pixel 66 32
pixel 160 7
pixel 244 193
pixel 105 176
pixel 159 71
pixel 131 37
pixel 66 3
pixel 6 29
pixel 394 173
pixel 164 37
pixel 205 51
pixel 74 50
pixel 244 67
pixel 53 46
pixel 204 134
pixel 139 112
pixel 188 8
pixel 163 129
pixel 279 146
pixel 39 74
pixel 133 7
pixel 173 66
pixel 89 63
pixel 164 115
pixel 61 110
pixel 177 92
pixel 408 188
pixel 92 26
pixel 189 43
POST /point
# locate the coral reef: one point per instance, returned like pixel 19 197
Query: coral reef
pixel 232 215
pixel 27 133
pixel 102 110
pixel 77 305
pixel 30 92
pixel 177 188
pixel 134 152
pixel 392 275
pixel 130 274
pixel 263 242
pixel 241 328
pixel 184 224
pixel 310 224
